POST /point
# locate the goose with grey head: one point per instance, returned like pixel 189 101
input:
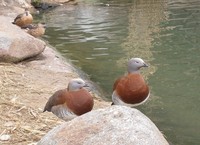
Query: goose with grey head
pixel 70 102
pixel 131 90
pixel 23 19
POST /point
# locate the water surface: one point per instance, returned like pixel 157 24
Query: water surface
pixel 99 37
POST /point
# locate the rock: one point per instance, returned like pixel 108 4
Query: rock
pixel 45 4
pixel 48 4
pixel 16 3
pixel 5 137
pixel 15 44
pixel 56 1
pixel 9 124
pixel 10 11
pixel 114 125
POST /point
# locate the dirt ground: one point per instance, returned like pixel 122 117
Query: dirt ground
pixel 24 90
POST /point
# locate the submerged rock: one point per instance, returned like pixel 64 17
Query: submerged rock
pixel 43 5
pixel 114 125
pixel 49 4
pixel 15 44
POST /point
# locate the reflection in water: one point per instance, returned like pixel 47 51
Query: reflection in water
pixel 177 79
pixel 143 20
pixel 99 39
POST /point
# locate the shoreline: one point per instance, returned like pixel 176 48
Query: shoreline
pixel 27 85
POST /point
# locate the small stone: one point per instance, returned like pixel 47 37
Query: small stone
pixel 5 137
pixel 8 124
pixel 33 143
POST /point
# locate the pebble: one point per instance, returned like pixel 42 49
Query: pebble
pixel 5 137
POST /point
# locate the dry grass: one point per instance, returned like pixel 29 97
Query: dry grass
pixel 21 99
pixel 24 124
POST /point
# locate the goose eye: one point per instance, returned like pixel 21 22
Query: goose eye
pixel 136 62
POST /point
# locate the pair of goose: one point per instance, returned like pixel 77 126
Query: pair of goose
pixel 25 20
pixel 128 90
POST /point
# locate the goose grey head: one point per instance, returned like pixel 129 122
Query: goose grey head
pixel 134 65
pixel 27 11
pixel 76 84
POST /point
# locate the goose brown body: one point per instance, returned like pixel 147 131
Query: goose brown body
pixel 71 102
pixel 131 88
pixel 78 102
pixel 23 19
pixel 35 30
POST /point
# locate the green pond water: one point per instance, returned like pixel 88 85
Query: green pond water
pixel 100 36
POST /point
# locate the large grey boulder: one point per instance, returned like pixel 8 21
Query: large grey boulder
pixel 114 125
pixel 15 44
